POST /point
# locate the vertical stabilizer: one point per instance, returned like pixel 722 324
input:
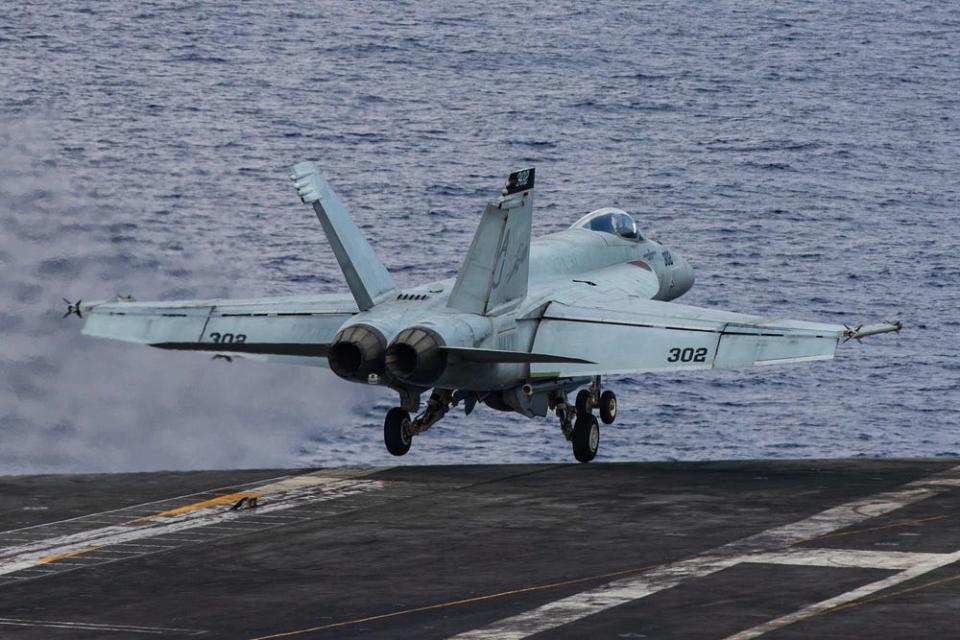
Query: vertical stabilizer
pixel 368 279
pixel 493 278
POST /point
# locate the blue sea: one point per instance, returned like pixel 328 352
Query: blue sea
pixel 805 157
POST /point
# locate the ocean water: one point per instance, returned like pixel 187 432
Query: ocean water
pixel 804 156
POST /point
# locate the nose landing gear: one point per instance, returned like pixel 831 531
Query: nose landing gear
pixel 585 435
pixel 608 406
pixel 586 438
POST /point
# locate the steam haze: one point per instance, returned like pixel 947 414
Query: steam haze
pixel 77 404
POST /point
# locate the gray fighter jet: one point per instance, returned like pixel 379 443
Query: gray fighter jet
pixel 524 324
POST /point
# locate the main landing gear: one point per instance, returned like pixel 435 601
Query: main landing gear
pixel 577 422
pixel 399 428
pixel 396 431
pixel 584 433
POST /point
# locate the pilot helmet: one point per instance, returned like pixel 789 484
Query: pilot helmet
pixel 624 225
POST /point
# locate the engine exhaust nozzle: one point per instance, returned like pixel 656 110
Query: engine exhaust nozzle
pixel 356 352
pixel 415 356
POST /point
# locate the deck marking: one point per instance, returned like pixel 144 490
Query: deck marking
pixel 84 518
pixel 182 524
pixel 56 557
pixel 454 603
pixel 893 525
pixel 146 546
pixel 91 626
pixel 852 559
pixel 578 606
pixel 844 600
pixel 124 512
pixel 894 594
pixel 42 571
pixel 229 498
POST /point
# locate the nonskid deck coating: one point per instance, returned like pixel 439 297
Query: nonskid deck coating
pixel 726 550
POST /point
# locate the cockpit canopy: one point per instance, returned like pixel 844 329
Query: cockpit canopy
pixel 610 220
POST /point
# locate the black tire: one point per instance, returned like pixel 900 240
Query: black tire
pixel 608 406
pixel 394 435
pixel 586 438
pixel 583 402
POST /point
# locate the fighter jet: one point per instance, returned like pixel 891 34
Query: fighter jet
pixel 524 325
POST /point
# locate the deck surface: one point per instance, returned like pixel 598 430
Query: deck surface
pixel 720 550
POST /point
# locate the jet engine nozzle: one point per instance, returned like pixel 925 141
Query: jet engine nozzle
pixel 356 352
pixel 415 356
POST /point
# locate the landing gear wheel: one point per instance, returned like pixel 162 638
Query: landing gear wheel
pixel 583 402
pixel 608 406
pixel 395 433
pixel 586 438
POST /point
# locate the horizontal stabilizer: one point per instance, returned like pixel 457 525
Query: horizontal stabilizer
pixel 368 279
pixel 471 354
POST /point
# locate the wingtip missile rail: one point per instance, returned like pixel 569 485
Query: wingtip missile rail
pixel 862 331
pixel 74 308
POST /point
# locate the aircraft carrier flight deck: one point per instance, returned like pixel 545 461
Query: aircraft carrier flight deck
pixel 715 550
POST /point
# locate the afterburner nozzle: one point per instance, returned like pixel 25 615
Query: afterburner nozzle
pixel 356 352
pixel 415 356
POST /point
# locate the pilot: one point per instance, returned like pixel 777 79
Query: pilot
pixel 616 222
pixel 603 223
pixel 624 226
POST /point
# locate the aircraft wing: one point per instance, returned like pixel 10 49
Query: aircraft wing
pixel 646 335
pixel 295 329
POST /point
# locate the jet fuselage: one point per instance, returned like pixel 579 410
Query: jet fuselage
pixel 593 260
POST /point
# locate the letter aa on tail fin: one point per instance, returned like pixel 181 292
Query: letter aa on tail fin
pixel 493 278
pixel 368 279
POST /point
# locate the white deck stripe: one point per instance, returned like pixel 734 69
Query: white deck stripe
pixel 619 592
pixel 848 558
pixel 90 626
pixel 571 609
pixel 129 509
pixel 850 596
pixel 275 497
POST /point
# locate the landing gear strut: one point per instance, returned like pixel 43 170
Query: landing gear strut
pixel 586 438
pixel 399 428
pixel 566 424
pixel 608 406
pixel 396 431
pixel 590 398
pixel 584 434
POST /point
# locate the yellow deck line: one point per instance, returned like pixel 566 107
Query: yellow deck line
pixel 283 485
pixel 228 498
pixel 65 555
pixel 454 603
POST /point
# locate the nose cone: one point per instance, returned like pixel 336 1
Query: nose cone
pixel 675 279
pixel 684 277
